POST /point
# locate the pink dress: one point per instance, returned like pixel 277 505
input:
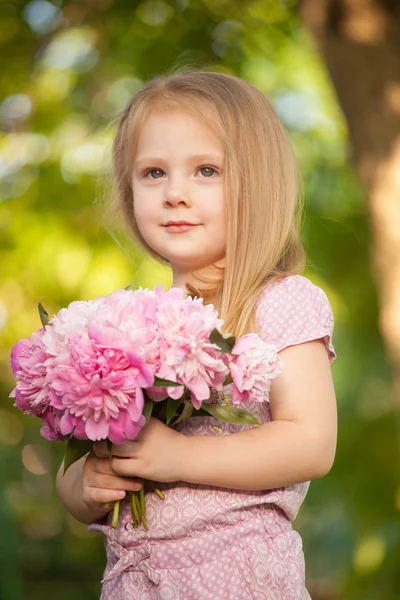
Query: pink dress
pixel 207 542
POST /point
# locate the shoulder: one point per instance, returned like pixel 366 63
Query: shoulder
pixel 293 310
pixel 291 293
pixel 296 285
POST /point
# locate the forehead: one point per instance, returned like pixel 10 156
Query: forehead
pixel 178 128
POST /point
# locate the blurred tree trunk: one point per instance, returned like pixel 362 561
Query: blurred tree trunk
pixel 359 41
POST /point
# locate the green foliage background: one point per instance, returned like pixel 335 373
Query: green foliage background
pixel 67 69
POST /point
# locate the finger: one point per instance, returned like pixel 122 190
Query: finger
pixel 96 468
pixel 127 450
pixel 113 482
pixel 123 466
pixel 98 465
pixel 98 497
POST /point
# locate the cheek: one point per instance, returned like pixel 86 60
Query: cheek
pixel 147 223
pixel 216 211
pixel 144 212
pixel 211 202
pixel 143 226
pixel 222 224
pixel 139 213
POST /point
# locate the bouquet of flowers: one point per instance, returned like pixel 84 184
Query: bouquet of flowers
pixel 100 368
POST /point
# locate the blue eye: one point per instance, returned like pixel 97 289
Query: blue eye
pixel 154 173
pixel 207 171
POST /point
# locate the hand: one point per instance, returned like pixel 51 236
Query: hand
pixel 155 454
pixel 100 484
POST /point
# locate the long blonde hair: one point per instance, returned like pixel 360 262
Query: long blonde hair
pixel 263 203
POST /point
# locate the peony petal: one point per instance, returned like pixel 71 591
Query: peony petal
pixel 175 392
pixel 50 427
pixel 96 430
pixel 67 423
pixel 80 433
pixel 16 351
pixel 145 378
pixel 157 394
pixel 200 389
pixel 136 404
pixel 245 343
pixel 116 432
pixel 132 428
pixel 123 428
pixel 237 396
pixel 195 401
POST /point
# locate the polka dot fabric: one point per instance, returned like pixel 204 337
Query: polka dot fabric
pixel 293 311
pixel 206 542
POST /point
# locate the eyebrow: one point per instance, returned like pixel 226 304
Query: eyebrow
pixel 193 158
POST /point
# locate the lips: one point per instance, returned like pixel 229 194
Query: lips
pixel 179 226
pixel 179 223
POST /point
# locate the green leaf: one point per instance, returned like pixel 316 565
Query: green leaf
pixel 172 407
pixel 128 287
pixel 165 383
pixel 160 411
pixel 148 409
pixel 230 414
pixel 200 413
pixel 225 344
pixel 43 314
pixel 75 450
pixel 228 379
pixel 109 447
pixel 186 413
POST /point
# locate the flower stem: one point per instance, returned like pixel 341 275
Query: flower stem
pixel 115 514
pixel 141 497
pixel 157 491
pixel 141 507
pixel 135 512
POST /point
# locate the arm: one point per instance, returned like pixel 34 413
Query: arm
pixel 70 490
pixel 297 445
pixel 88 484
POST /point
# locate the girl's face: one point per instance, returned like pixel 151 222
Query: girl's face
pixel 177 178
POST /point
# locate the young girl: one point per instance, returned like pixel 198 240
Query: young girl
pixel 207 181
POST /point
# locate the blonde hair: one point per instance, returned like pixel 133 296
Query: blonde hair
pixel 261 182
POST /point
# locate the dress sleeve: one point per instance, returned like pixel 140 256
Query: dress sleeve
pixel 292 311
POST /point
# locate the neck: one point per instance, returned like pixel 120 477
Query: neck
pixel 200 278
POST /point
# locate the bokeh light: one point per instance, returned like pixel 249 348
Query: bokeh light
pixel 35 459
pixel 69 68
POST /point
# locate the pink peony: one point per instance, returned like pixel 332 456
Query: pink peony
pixel 69 322
pixel 84 373
pixel 98 390
pixel 106 353
pixel 28 363
pixel 124 319
pixel 253 363
pixel 51 427
pixel 189 357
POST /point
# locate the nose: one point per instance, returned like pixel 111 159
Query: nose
pixel 176 194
